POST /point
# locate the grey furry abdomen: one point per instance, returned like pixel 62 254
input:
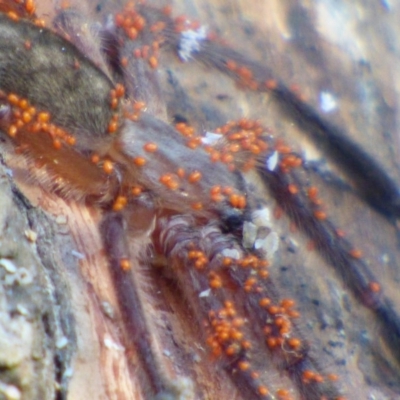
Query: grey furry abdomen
pixel 54 76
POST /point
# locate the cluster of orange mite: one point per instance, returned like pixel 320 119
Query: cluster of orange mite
pixel 21 9
pixel 227 334
pixel 290 161
pixel 132 23
pixel 228 338
pixel 116 95
pixel 319 213
pixel 246 79
pixel 24 116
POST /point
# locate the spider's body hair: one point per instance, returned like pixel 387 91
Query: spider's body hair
pixel 78 99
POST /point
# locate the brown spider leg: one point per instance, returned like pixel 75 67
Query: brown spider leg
pixel 178 237
pixel 139 56
pixel 195 253
pixel 136 323
pixel 369 178
pixel 340 253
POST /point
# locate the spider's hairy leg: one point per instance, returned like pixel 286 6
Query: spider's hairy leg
pixel 304 206
pixel 368 176
pixel 229 290
pixel 136 30
pixel 158 379
pixel 179 185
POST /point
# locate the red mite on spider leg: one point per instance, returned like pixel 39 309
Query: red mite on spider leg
pixel 65 114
